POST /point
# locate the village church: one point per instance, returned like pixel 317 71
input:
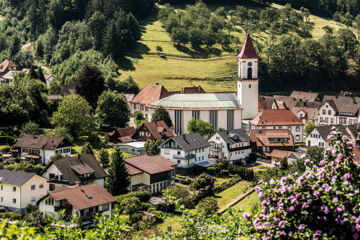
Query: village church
pixel 222 110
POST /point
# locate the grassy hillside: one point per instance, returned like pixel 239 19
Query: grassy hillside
pixel 176 67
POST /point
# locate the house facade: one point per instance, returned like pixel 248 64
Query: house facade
pixel 336 110
pixel 136 148
pixel 18 189
pixel 233 146
pixel 42 148
pixel 82 169
pixel 83 201
pixel 272 143
pixel 151 173
pixel 153 131
pixel 279 119
pixel 187 151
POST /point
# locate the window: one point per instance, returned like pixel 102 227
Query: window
pixel 66 150
pixel 2 199
pixel 178 152
pixel 332 120
pixel 105 207
pixel 249 74
pixel 214 119
pixel 329 112
pixel 148 134
pixel 33 199
pixel 179 161
pixel 196 114
pixel 230 119
pixel 298 129
pixel 33 187
pixel 14 200
pixel 49 201
pixel 324 112
pixel 217 138
pixel 202 157
pixel 297 138
pixel 14 189
pixel 178 121
pixel 167 152
pixel 141 133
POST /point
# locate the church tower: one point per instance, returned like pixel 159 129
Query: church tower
pixel 247 81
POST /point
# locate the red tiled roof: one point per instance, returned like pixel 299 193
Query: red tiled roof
pixel 248 50
pixel 6 64
pixel 156 128
pixel 82 197
pixel 276 117
pixel 151 93
pixel 151 164
pixel 132 170
pixel 276 153
pixel 123 134
pixel 261 137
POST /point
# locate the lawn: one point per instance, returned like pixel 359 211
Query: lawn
pixel 232 193
pixel 247 203
pixel 77 150
pixel 221 180
pixel 178 67
pixel 170 220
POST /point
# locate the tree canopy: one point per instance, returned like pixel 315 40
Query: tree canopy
pixel 161 113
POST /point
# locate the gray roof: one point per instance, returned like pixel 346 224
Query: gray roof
pixel 41 142
pixel 344 104
pixel 72 167
pixel 15 178
pixel 234 136
pixel 191 141
pixel 199 101
pixel 324 131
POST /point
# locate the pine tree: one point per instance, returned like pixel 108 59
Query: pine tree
pixel 104 157
pixel 118 180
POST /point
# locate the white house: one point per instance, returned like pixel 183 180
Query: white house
pixel 232 146
pixel 84 201
pixel 82 169
pixel 339 110
pixel 42 148
pixel 279 119
pixel 186 151
pixel 318 136
pixel 18 189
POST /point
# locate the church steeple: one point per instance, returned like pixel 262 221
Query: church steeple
pixel 248 60
pixel 247 82
pixel 248 50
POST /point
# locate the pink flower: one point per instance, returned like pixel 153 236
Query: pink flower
pixel 347 176
pixel 335 200
pixel 246 215
pixel 301 227
pixel 318 232
pixel 340 156
pixel 291 208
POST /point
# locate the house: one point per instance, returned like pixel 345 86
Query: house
pixel 122 135
pixel 136 148
pixel 151 173
pixel 82 169
pixel 306 111
pixel 232 146
pixel 305 96
pixel 8 77
pixel 339 110
pixel 153 131
pixel 186 151
pixel 48 78
pixel 128 97
pixel 42 148
pixel 318 136
pixel 267 102
pixel 266 141
pixel 150 93
pixel 6 66
pixel 84 201
pixel 279 119
pixel 18 189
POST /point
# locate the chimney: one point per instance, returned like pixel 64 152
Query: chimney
pixel 34 136
pixel 77 183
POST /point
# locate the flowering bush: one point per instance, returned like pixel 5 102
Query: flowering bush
pixel 321 203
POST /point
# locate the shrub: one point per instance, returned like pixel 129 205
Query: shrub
pixel 207 206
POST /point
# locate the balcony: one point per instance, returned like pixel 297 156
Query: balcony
pixel 216 148
pixel 186 157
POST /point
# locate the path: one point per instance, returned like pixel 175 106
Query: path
pixel 221 211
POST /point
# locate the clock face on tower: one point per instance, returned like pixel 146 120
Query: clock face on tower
pixel 249 64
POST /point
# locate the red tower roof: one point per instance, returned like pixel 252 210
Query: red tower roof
pixel 248 50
